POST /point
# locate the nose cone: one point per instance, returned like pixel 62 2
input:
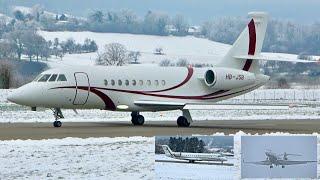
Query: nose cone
pixel 14 97
pixel 25 95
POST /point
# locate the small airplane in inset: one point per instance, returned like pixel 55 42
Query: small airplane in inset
pixel 192 157
pixel 273 159
pixel 139 88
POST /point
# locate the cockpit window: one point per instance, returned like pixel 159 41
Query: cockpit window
pixel 62 77
pixel 53 77
pixel 38 77
pixel 44 78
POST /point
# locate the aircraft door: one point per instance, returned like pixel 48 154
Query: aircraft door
pixel 82 88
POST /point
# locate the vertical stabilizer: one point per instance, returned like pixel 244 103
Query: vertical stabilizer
pixel 167 150
pixel 248 43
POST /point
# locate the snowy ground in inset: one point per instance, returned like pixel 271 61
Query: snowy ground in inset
pixel 171 170
pixel 75 158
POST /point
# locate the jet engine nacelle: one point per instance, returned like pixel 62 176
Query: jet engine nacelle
pixel 227 78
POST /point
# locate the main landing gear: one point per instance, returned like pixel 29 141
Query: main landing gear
pixel 137 119
pixel 184 120
pixel 57 113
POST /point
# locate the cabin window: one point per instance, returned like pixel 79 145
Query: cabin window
pixel 53 77
pixel 119 82
pixel 156 82
pixel 134 82
pixel 148 82
pixel 62 77
pixel 127 82
pixel 113 82
pixel 106 82
pixel 163 82
pixel 44 78
pixel 140 82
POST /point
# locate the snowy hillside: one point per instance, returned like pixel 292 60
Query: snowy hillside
pixel 193 49
pixel 5 18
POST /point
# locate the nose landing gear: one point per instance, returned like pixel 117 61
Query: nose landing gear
pixel 57 113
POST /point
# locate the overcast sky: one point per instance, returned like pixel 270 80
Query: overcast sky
pixel 197 11
pixel 253 149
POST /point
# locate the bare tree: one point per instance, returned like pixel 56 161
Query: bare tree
pixel 283 83
pixel 158 51
pixel 134 56
pixel 182 63
pixel 180 24
pixel 165 63
pixel 6 74
pixel 114 54
pixel 7 50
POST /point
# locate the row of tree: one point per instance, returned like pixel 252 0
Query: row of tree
pixel 281 36
pixel 24 40
pixel 188 144
pixel 123 21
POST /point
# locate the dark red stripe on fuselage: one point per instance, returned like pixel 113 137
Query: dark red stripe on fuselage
pixel 189 75
pixel 202 97
pixel 109 105
pixel 252 45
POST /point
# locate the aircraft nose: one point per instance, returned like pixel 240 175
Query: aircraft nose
pixel 13 97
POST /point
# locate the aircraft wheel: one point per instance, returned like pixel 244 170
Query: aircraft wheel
pixel 182 122
pixel 57 123
pixel 282 166
pixel 271 166
pixel 137 120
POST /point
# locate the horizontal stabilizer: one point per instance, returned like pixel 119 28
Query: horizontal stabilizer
pixel 265 58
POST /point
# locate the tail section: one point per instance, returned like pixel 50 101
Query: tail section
pixel 167 150
pixel 248 43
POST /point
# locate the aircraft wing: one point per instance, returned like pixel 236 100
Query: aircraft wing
pixel 266 58
pixel 158 103
pixel 267 163
pixel 288 162
pixel 234 106
pixel 218 106
pixel 256 106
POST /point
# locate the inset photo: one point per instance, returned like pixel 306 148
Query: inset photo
pixel 194 157
pixel 278 157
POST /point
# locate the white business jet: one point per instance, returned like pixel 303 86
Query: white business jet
pixel 139 88
pixel 192 157
pixel 273 159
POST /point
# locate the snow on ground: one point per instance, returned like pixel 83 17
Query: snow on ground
pixel 191 171
pixel 75 158
pixel 196 50
pixel 165 170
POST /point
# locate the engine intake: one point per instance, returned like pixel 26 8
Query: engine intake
pixel 227 78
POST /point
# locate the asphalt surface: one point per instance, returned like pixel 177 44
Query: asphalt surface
pixel 10 131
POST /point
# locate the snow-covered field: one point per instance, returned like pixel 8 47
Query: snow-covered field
pixel 75 158
pixel 105 158
pixel 195 50
pixel 169 170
